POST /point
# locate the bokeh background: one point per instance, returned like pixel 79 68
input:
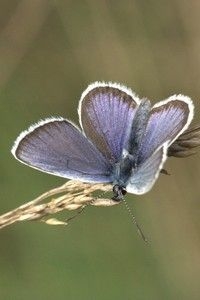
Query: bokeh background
pixel 49 52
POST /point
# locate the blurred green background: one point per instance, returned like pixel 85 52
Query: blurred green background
pixel 49 52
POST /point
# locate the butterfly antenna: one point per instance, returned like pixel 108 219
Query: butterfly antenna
pixel 83 207
pixel 75 215
pixel 135 222
pixel 100 195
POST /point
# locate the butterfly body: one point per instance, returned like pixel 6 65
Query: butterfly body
pixel 128 163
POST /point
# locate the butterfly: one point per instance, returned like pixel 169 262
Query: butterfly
pixel 123 140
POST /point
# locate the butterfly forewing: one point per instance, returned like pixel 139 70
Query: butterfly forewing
pixel 106 113
pixel 56 146
pixel 168 119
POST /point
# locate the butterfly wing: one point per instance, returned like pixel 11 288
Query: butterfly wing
pixel 143 178
pixel 106 112
pixel 57 147
pixel 186 143
pixel 168 119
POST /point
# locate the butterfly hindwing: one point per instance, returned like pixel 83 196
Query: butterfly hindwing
pixel 144 177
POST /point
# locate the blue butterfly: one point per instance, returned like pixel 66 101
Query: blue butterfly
pixel 123 140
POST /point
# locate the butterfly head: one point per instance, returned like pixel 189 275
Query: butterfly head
pixel 119 192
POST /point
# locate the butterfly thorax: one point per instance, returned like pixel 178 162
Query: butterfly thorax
pixel 123 169
pixel 121 173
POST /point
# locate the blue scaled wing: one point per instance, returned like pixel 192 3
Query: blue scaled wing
pixel 144 177
pixel 106 113
pixel 168 119
pixel 57 147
